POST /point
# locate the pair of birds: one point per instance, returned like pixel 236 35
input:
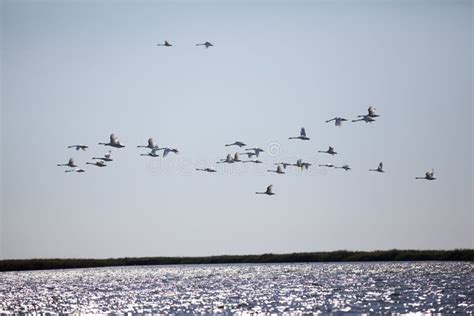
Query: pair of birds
pixel 167 44
pixel 236 158
pixel 299 163
pixel 368 118
pixel 429 175
pixel 250 152
pixel 155 148
pixel 99 163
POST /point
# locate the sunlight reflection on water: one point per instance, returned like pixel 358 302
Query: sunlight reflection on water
pixel 242 288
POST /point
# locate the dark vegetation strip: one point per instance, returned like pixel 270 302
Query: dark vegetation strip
pixel 333 256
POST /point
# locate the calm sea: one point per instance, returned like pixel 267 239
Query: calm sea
pixel 244 288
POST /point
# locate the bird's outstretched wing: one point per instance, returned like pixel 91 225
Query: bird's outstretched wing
pixel 269 188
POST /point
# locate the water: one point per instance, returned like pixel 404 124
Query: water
pixel 243 288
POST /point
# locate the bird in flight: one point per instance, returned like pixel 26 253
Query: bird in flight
pixel 106 157
pixel 337 121
pixel 365 118
pixel 299 163
pixel 345 167
pixel 329 165
pixel 370 112
pixel 152 153
pixel 114 142
pixel 228 159
pixel 168 150
pixel 206 170
pixel 249 154
pixel 379 168
pixel 70 163
pixel 83 147
pixel 429 175
pixel 166 44
pixel 256 161
pixel 237 143
pixel 207 44
pixel 151 144
pixel 329 151
pixel 98 163
pixel 284 164
pixel 302 135
pixel 278 170
pixel 269 191
pixel 75 170
pixel 256 151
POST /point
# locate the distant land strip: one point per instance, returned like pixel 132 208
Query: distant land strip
pixel 333 256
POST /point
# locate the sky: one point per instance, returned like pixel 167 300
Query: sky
pixel 77 71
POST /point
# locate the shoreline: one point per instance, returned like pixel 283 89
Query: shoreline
pixel 302 257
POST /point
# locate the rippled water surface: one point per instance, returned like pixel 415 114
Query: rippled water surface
pixel 242 288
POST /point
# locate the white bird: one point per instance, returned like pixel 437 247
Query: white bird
pixel 329 151
pixel 166 44
pixel 299 163
pixel 278 170
pixel 98 163
pixel 370 112
pixel 237 158
pixel 151 144
pixel 268 191
pixel 256 151
pixel 345 167
pixel 302 135
pixel 329 165
pixel 206 170
pixel 237 143
pixel 114 142
pixel 253 161
pixel 168 150
pixel 83 147
pixel 75 170
pixel 379 168
pixel 429 175
pixel 106 157
pixel 249 154
pixel 152 153
pixel 365 118
pixel 337 121
pixel 228 159
pixel 70 163
pixel 284 164
pixel 207 44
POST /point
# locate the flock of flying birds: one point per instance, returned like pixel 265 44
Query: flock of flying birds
pixel 249 152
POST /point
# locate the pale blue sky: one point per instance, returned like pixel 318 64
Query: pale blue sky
pixel 76 71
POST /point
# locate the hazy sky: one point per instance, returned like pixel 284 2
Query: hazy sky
pixel 76 71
